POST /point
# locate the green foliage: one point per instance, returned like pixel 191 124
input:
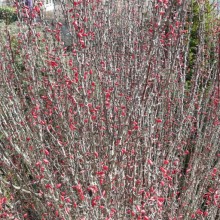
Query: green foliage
pixel 18 61
pixel 8 14
pixel 200 20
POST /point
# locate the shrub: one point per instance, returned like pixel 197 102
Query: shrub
pixel 201 19
pixel 107 129
pixel 8 14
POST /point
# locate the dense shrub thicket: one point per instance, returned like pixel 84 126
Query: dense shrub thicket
pixel 111 124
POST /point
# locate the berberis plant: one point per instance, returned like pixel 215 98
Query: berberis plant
pixel 98 119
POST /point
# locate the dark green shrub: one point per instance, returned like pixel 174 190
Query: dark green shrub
pixel 201 19
pixel 8 14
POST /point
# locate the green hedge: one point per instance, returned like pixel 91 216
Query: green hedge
pixel 8 14
pixel 198 18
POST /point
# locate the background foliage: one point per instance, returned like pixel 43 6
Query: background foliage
pixel 8 14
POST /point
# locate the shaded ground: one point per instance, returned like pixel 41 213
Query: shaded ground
pixel 50 17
